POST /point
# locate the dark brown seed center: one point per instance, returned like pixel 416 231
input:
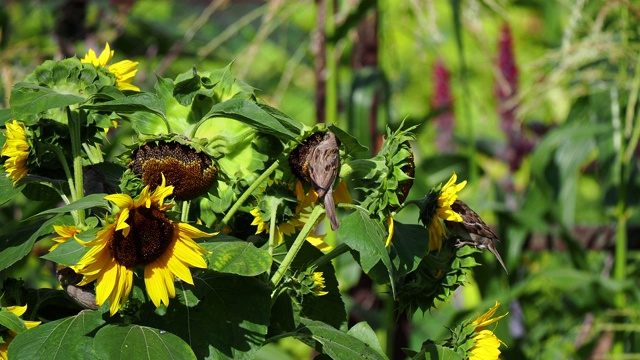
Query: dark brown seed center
pixel 150 235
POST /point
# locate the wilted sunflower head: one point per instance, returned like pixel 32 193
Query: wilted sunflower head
pixel 299 157
pixel 189 171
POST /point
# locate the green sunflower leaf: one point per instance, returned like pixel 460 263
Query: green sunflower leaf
pixel 329 308
pixel 63 339
pixel 350 143
pixel 7 190
pixel 433 351
pixel 5 115
pixel 87 202
pixel 228 321
pixel 142 101
pixel 250 113
pixel 29 99
pixel 364 332
pixel 140 342
pixel 335 343
pixel 367 237
pixel 13 245
pixel 71 251
pixel 12 322
pixel 237 257
pixel 411 244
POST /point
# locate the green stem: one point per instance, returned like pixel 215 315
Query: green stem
pixel 247 193
pixel 334 253
pixel 297 244
pixel 76 153
pixel 67 171
pixel 272 226
pixel 184 215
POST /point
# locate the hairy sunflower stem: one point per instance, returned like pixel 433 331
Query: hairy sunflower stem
pixel 67 171
pixel 247 193
pixel 297 244
pixel 184 215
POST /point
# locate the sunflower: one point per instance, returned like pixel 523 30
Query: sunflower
pixel 8 336
pixel 65 232
pixel 124 70
pixel 17 149
pixel 437 206
pixel 318 284
pixel 487 344
pixel 141 235
pixel 306 203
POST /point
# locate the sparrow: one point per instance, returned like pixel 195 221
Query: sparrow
pixel 324 165
pixel 473 231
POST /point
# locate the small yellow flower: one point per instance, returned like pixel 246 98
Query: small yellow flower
pixel 318 284
pixel 17 149
pixel 124 70
pixel 10 335
pixel 487 344
pixel 141 235
pixel 65 233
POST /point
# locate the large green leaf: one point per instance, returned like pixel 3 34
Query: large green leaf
pixel 337 344
pixel 87 202
pixel 29 99
pixel 12 322
pixel 364 332
pixel 140 342
pixel 411 244
pixel 63 339
pixel 237 257
pixel 221 317
pixel 70 252
pixel 329 308
pixel 251 114
pixel 7 190
pixel 13 245
pixel 143 101
pixel 367 237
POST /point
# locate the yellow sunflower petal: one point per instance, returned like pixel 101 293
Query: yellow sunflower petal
pixel 105 55
pixel 391 230
pixel 17 310
pixel 341 193
pixel 318 242
pixel 155 281
pixel 122 201
pixel 486 318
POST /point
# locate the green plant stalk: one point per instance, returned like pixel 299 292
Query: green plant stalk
pixel 247 193
pixel 272 227
pixel 334 253
pixel 67 173
pixel 76 153
pixel 184 214
pixel 297 244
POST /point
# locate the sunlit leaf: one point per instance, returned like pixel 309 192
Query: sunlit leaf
pixel 64 339
pixel 140 342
